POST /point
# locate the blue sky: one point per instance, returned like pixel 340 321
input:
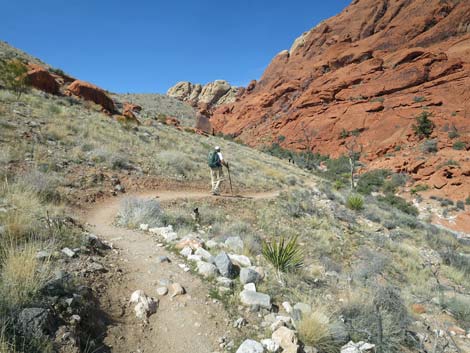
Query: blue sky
pixel 147 46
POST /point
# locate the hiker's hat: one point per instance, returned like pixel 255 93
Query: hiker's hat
pixel 217 148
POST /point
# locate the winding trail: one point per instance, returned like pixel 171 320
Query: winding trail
pixel 189 323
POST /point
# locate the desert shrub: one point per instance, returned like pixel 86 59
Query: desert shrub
pixel 43 184
pixel 459 145
pixel 179 162
pixel 399 203
pixel 418 99
pixel 134 212
pixel 453 133
pixel 13 76
pixel 297 203
pixel 429 146
pixel 355 202
pixel 316 330
pixel 120 163
pixel 372 181
pixel 284 254
pixel 337 168
pixel 424 126
pixel 467 201
pixel 459 306
pixel 460 205
pixel 380 317
pixel 178 217
pixel 371 263
pixel 22 276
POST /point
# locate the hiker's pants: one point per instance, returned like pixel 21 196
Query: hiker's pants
pixel 217 176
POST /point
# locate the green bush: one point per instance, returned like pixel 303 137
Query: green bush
pixel 355 202
pixel 399 203
pixel 13 76
pixel 459 145
pixel 429 146
pixel 424 126
pixel 372 181
pixel 285 255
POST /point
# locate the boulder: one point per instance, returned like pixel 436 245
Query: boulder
pixel 92 93
pixel 240 260
pixel 285 337
pixel 250 346
pixel 206 255
pixel 40 78
pixel 35 322
pixel 225 265
pixel 225 282
pixel 251 298
pixel 207 269
pixel 144 305
pixel 248 275
pixel 186 251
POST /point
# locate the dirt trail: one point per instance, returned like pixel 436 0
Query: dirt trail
pixel 188 323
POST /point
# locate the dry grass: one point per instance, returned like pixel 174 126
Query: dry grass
pixel 22 275
pixel 316 330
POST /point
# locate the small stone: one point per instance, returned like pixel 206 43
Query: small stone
pixel 144 227
pixel 204 254
pixel 270 345
pixel 211 244
pixel 68 252
pixel 176 289
pixel 251 298
pixel 359 347
pixel 194 258
pixel 287 307
pixel 250 346
pixel 207 269
pixel 161 259
pixel 75 319
pixel 162 291
pixel 248 275
pixel 43 255
pixel 186 251
pixel 96 267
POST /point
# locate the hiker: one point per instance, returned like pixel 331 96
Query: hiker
pixel 216 161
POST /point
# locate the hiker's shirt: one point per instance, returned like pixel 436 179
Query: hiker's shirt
pixel 221 158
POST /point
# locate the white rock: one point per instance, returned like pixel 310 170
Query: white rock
pixel 162 290
pixel 145 305
pixel 69 252
pixel 176 289
pixel 240 260
pixel 359 347
pixel 270 345
pixel 249 298
pixel 250 346
pixel 250 286
pixel 144 227
pixel 207 269
pixel 195 258
pixel 211 244
pixel 287 307
pixel 285 337
pixel 204 254
pixel 186 251
pixel 166 233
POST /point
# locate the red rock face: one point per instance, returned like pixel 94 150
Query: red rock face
pixel 42 79
pixel 372 69
pixel 92 93
pixel 130 110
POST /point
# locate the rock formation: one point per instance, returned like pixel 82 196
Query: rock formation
pixel 210 95
pixel 42 79
pixel 92 93
pixel 366 74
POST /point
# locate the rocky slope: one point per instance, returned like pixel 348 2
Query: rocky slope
pixel 366 74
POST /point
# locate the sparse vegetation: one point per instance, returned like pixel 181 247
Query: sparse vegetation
pixel 316 330
pixel 355 202
pixel 429 146
pixel 459 146
pixel 284 254
pixel 424 126
pixel 13 76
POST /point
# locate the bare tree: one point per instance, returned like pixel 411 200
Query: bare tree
pixel 307 140
pixel 354 151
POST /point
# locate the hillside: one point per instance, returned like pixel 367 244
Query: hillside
pixel 366 75
pixel 110 240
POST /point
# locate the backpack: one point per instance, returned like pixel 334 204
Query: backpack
pixel 214 160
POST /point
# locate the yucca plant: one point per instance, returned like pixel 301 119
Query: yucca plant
pixel 355 202
pixel 284 254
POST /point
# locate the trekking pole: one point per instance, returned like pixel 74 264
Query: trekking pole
pixel 230 179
